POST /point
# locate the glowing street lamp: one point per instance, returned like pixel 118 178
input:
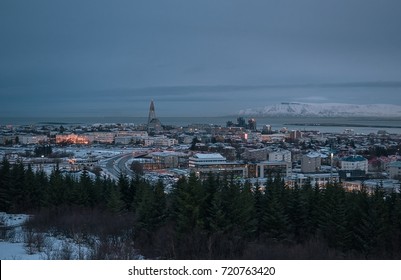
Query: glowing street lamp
pixel 331 167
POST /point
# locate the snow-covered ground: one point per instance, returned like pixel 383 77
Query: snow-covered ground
pixel 11 238
pixel 14 242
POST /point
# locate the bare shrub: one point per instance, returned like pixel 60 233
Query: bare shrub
pixel 34 241
pixel 30 242
pixel 114 248
pixel 313 249
pixel 39 241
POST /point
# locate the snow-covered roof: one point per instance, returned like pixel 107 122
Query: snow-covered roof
pixel 209 156
pixel 395 164
pixel 168 153
pixel 313 155
pixel 354 158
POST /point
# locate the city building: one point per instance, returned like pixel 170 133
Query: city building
pixel 101 137
pixel 264 168
pixel 255 154
pixel 167 159
pixel 160 141
pixel 252 124
pixel 203 164
pixel 154 124
pixel 32 139
pixel 352 163
pixel 267 129
pixel 129 137
pixel 273 138
pixel 280 155
pixel 72 139
pixel 4 139
pixel 295 135
pixel 394 170
pixel 320 179
pixel 311 162
pixel 370 186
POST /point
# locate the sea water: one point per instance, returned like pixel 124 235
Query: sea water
pixel 325 125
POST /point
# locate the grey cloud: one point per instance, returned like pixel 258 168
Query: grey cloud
pixel 200 57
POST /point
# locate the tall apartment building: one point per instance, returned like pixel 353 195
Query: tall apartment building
pixel 281 155
pixel 311 162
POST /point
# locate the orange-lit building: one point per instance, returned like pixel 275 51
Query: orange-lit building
pixel 72 139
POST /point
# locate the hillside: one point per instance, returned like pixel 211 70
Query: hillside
pixel 325 110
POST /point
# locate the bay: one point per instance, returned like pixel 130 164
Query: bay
pixel 325 125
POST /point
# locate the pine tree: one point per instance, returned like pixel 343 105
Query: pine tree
pixel 114 201
pixel 57 191
pixel 5 186
pixel 333 223
pixel 187 203
pixel 151 210
pixel 260 207
pixel 297 214
pixel 275 220
pixel 246 219
pixel 18 185
pixel 126 194
pixel 159 205
pixel 43 185
pixel 87 196
pixel 32 191
pixel 212 205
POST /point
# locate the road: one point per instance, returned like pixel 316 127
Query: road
pixel 117 164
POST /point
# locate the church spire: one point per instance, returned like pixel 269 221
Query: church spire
pixel 152 113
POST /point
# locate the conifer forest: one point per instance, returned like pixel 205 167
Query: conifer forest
pixel 215 218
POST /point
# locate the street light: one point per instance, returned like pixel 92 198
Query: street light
pixel 43 161
pixel 331 167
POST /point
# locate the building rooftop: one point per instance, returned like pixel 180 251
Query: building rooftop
pixel 395 164
pixel 210 156
pixel 354 158
pixel 313 155
pixel 168 153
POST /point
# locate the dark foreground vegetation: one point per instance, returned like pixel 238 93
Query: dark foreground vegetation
pixel 218 218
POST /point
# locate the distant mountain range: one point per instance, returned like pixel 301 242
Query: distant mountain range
pixel 324 110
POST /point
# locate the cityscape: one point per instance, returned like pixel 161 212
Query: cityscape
pixel 233 133
pixel 240 149
pixel 240 154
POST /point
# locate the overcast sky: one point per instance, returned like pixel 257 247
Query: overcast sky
pixel 195 58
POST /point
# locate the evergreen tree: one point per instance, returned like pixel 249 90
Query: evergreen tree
pixel 275 220
pixel 188 200
pixel 89 195
pixel 32 191
pixel 297 213
pixel 17 187
pixel 114 201
pixel 246 219
pixel 152 208
pixel 212 205
pixel 260 207
pixel 57 191
pixel 333 223
pixel 43 185
pixel 125 189
pixel 5 186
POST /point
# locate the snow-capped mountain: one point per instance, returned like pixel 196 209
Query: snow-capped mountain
pixel 325 110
